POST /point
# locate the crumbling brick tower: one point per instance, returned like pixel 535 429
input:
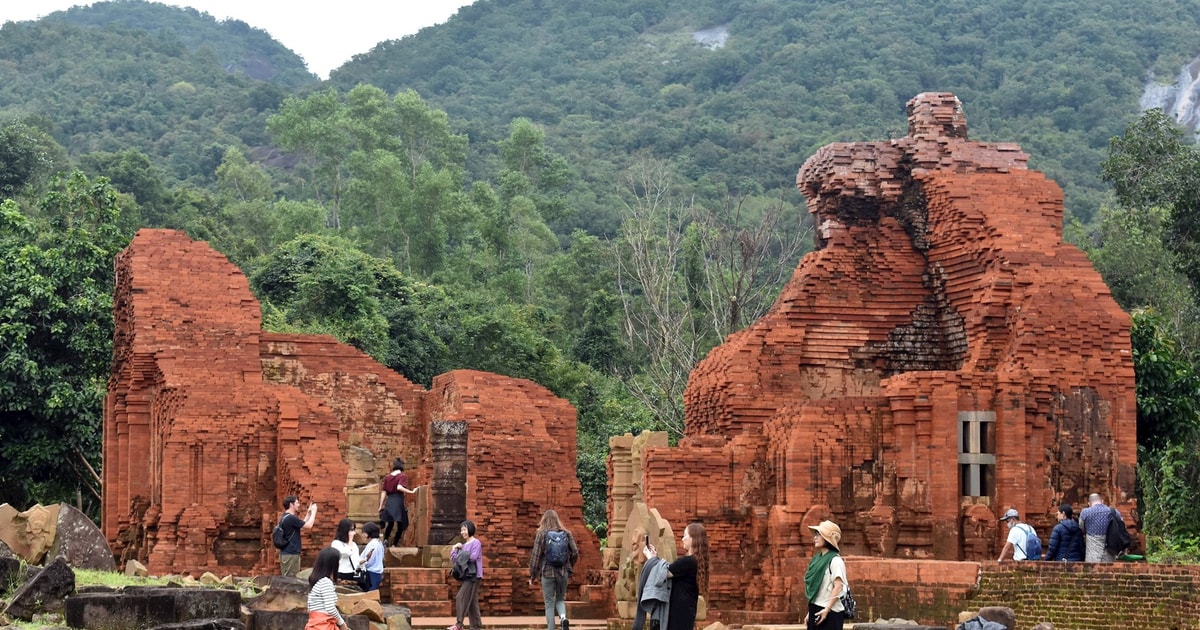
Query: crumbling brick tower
pixel 210 421
pixel 940 357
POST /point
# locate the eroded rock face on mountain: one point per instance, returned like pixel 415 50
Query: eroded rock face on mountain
pixel 210 421
pixel 942 356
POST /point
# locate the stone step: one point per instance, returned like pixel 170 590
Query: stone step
pixel 419 592
pixel 414 576
pixel 439 609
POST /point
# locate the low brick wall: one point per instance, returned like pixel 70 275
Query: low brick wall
pixel 1094 596
pixel 1067 594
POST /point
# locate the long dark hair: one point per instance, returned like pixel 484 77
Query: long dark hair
pixel 325 566
pixel 345 526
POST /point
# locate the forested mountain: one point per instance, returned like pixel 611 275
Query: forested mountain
pixel 780 78
pixel 172 83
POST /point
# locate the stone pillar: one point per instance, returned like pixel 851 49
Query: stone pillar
pixel 448 496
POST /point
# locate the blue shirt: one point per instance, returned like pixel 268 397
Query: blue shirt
pixel 1094 519
pixel 375 563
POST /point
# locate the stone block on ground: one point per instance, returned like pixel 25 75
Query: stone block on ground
pixel 203 624
pixel 44 593
pixel 393 610
pixel 1000 614
pixel 80 542
pixel 29 534
pixel 144 607
pixel 282 594
pixel 10 571
pixel 369 608
pixel 136 569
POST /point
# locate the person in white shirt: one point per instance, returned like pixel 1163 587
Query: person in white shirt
pixel 1018 537
pixel 344 543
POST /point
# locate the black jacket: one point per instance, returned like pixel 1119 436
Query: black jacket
pixel 1066 542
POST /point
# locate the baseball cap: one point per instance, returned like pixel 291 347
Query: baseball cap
pixel 1011 513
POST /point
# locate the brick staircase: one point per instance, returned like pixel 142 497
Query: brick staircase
pixel 423 591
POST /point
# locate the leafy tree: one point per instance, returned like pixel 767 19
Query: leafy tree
pixel 27 156
pixel 56 329
pixel 1168 399
pixel 1151 165
pixel 322 284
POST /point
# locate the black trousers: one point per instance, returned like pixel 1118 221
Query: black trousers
pixel 834 621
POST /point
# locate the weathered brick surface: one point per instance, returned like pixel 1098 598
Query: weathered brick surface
pixel 940 286
pixel 209 422
pixel 1079 596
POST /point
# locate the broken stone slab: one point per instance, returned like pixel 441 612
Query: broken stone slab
pixel 80 542
pixel 10 570
pixel 136 569
pixel 1001 615
pixel 43 593
pixel 290 620
pixel 29 534
pixel 282 594
pixel 203 624
pixel 150 606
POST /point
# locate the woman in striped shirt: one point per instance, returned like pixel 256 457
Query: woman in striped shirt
pixel 322 598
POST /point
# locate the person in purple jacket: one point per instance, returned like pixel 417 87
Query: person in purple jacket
pixel 467 603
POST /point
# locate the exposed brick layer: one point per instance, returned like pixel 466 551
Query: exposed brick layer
pixel 940 291
pixel 209 422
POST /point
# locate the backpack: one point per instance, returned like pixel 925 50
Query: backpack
pixel 557 549
pixel 464 566
pixel 1116 536
pixel 1033 544
pixel 278 538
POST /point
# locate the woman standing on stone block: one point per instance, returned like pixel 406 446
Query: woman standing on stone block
pixel 467 602
pixel 825 579
pixel 689 576
pixel 322 597
pixel 392 511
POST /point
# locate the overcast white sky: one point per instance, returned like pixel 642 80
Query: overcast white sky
pixel 327 34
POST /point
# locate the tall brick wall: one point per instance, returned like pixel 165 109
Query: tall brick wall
pixel 520 462
pixel 941 292
pixel 210 422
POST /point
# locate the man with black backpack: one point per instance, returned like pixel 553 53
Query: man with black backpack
pixel 286 535
pixel 553 560
pixel 1106 536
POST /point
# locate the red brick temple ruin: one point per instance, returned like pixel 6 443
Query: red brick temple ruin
pixel 210 421
pixel 942 356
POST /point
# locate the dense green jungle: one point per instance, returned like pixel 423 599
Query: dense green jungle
pixel 591 195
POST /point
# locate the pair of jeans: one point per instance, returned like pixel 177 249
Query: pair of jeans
pixel 467 604
pixel 554 595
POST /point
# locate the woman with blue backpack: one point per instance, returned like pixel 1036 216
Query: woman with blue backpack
pixel 554 556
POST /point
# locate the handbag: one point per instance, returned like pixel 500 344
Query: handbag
pixel 849 605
